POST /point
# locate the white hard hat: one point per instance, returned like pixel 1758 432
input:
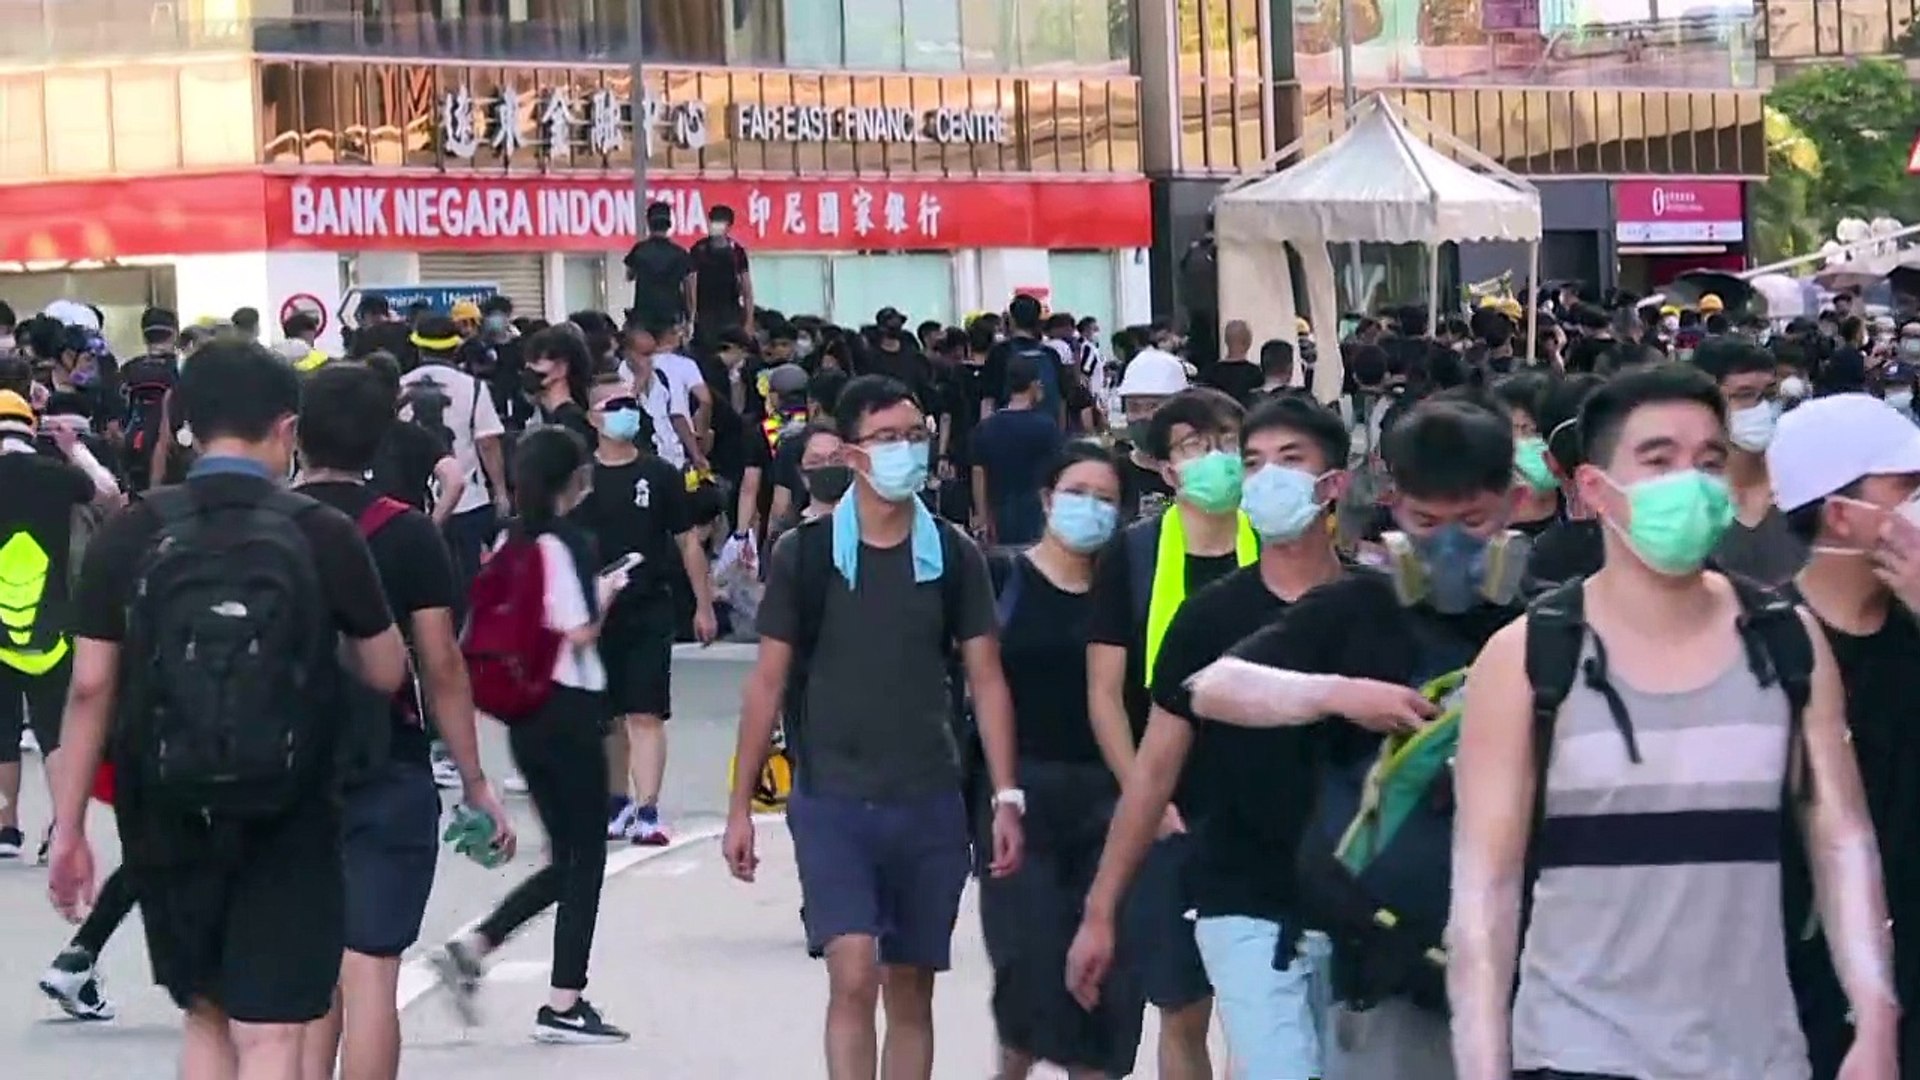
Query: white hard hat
pixel 73 313
pixel 1153 373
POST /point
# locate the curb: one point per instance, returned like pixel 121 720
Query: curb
pixel 417 978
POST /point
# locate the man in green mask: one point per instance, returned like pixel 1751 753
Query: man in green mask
pixel 1143 577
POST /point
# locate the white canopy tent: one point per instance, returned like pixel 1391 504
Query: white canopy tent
pixel 1379 182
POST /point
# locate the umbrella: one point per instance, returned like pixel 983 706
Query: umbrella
pixel 1688 288
pixel 1781 297
pixel 1862 272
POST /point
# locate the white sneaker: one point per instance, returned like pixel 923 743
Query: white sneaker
pixel 76 987
pixel 446 775
pixel 648 833
pixel 29 742
pixel 514 784
pixel 620 826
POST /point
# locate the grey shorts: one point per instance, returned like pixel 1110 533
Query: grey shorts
pixel 391 828
pixel 893 871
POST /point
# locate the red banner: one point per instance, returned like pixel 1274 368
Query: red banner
pixel 108 219
pixel 1679 211
pixel 350 213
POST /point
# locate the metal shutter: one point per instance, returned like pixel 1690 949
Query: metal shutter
pixel 521 278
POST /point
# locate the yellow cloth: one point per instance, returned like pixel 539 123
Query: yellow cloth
pixel 1170 577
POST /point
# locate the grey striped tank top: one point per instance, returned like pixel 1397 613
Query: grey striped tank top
pixel 1655 948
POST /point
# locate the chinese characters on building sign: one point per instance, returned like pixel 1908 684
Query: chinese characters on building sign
pixel 561 120
pixel 820 123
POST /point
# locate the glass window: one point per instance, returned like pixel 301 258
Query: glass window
pixel 1046 32
pixel 1083 285
pixel 685 31
pixel 933 27
pixel 812 35
pixel 986 34
pixel 877 37
pixel 920 285
pixel 756 30
pixel 791 284
pixel 583 282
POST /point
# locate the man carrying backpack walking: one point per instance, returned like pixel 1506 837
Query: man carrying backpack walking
pixel 1634 817
pixel 210 619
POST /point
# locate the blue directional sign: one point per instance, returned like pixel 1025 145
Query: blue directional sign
pixel 439 298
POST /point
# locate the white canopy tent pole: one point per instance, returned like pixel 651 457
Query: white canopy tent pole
pixel 1533 300
pixel 1433 288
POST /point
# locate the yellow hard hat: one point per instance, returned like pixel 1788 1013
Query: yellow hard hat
pixel 1669 309
pixel 1712 302
pixel 465 311
pixel 1301 327
pixel 14 407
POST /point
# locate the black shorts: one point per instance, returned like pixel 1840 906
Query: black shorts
pixel 1156 933
pixel 32 699
pixel 637 649
pixel 391 834
pixel 250 916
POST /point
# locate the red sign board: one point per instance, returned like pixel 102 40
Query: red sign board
pixel 254 211
pixel 351 213
pixel 1679 211
pixel 308 303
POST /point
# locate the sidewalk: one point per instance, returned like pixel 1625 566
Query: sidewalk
pixel 709 974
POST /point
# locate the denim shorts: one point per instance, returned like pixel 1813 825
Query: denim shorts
pixel 891 870
pixel 390 825
pixel 1272 1018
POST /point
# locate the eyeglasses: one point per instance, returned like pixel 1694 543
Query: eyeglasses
pixel 916 436
pixel 1197 444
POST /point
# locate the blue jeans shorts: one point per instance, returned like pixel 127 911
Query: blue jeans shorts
pixel 891 870
pixel 1273 1018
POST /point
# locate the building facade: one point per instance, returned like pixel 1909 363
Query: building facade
pixel 1641 126
pixel 931 155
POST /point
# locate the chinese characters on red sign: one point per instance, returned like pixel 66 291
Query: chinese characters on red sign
pixel 507 214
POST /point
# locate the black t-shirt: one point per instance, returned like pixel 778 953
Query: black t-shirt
pixel 1043 648
pixel 1115 612
pixel 739 443
pixel 660 268
pixel 570 415
pixel 1251 789
pixel 1238 379
pixel 1566 550
pixel 403 466
pixel 994 375
pixel 716 290
pixel 416 574
pixel 1144 493
pixel 36 521
pixel 640 506
pixel 788 474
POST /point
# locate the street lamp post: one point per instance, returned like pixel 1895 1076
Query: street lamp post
pixel 636 71
pixel 1348 98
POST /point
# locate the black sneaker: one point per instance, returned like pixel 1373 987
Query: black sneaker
pixel 11 841
pixel 581 1025
pixel 460 973
pixel 46 845
pixel 75 986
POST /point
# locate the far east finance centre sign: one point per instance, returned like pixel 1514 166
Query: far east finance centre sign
pixel 863 124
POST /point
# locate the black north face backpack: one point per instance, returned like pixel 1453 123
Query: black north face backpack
pixel 231 678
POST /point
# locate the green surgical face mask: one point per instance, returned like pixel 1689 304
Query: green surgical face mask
pixel 1211 482
pixel 1676 520
pixel 1530 461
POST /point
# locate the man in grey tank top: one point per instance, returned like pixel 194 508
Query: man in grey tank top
pixel 1654 945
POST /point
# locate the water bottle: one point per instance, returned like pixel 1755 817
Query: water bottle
pixel 470 832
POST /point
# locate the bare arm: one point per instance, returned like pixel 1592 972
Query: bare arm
pixel 444 683
pixel 1107 707
pixel 746 297
pixel 759 711
pixel 380 661
pixel 693 558
pixel 83 731
pixel 1494 786
pixel 157 460
pixel 494 465
pixel 992 706
pixel 453 484
pixel 1844 855
pixel 747 511
pixel 1145 794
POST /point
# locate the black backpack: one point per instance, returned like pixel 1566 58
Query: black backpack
pixel 230 675
pixel 145 383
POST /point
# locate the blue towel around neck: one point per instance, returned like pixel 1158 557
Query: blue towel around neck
pixel 928 562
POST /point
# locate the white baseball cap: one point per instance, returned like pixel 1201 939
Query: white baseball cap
pixel 1830 442
pixel 1153 373
pixel 73 313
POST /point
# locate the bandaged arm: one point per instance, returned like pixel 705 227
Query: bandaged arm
pixel 1493 815
pixel 104 484
pixel 1844 856
pixel 1241 692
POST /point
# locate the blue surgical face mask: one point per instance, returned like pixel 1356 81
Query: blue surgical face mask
pixel 1455 562
pixel 1081 522
pixel 622 424
pixel 1280 502
pixel 897 471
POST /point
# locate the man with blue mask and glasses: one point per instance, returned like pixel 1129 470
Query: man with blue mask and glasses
pixel 864 612
pixel 1251 790
pixel 1352 650
pixel 1639 803
pixel 638 505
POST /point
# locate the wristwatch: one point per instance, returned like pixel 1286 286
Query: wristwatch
pixel 1013 797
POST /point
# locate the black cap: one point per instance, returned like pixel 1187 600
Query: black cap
pixel 435 328
pixel 159 318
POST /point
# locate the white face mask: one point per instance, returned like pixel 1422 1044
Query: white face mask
pixel 1910 346
pixel 1793 388
pixel 1751 429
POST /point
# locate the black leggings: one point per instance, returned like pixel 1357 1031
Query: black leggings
pixel 110 909
pixel 559 753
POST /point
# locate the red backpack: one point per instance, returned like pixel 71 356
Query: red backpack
pixel 510 651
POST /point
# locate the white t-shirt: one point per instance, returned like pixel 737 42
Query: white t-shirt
pixel 577 666
pixel 469 416
pixel 663 401
pixel 683 374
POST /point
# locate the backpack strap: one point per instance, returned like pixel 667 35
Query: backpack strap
pixel 379 514
pixel 1556 632
pixel 1007 576
pixel 1141 547
pixel 1779 653
pixel 952 580
pixel 814 569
